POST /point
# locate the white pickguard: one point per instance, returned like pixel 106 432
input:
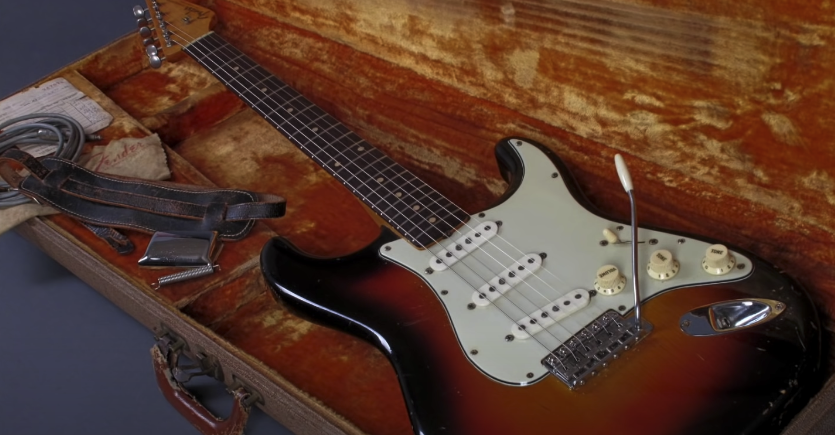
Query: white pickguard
pixel 542 216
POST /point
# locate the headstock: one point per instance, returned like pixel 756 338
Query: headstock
pixel 168 25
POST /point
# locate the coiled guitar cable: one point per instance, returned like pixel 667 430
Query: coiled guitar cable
pixel 55 129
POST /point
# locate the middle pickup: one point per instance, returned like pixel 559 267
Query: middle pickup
pixel 507 279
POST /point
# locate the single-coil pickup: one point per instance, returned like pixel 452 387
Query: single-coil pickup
pixel 552 313
pixel 463 246
pixel 507 279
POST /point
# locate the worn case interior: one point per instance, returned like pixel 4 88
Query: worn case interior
pixel 720 108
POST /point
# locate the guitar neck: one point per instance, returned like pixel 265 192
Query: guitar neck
pixel 411 206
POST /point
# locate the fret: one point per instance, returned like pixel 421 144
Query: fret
pixel 412 207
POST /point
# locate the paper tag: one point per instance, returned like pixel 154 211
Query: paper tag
pixel 55 96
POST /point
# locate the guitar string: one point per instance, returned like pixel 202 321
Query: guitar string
pixel 452 214
pixel 519 309
pixel 547 348
pixel 498 262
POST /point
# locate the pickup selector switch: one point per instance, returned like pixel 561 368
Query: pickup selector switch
pixel 718 260
pixel 662 266
pixel 609 281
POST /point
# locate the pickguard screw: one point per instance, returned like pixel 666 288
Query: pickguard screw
pixel 604 243
pixel 387 248
pixel 740 266
pixel 685 324
pixel 444 292
pixel 508 338
pixel 428 271
pixel 499 223
pixel 653 241
pixel 621 308
pixel 518 143
pixel 529 375
pixel 555 175
pixel 474 352
pixel 620 228
pixel 681 241
pixel 481 215
pixel 471 306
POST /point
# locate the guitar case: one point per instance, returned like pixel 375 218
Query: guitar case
pixel 719 108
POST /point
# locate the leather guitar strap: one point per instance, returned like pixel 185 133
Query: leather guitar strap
pixel 104 202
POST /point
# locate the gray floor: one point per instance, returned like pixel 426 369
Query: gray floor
pixel 72 362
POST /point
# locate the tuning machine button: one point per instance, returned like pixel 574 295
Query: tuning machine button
pixel 155 61
pixel 609 281
pixel 718 260
pixel 662 266
pixel 138 11
pixel 145 32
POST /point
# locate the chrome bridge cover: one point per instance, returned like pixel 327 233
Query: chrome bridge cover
pixel 591 349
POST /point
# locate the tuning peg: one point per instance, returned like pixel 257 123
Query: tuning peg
pixel 148 41
pixel 151 50
pixel 138 11
pixel 155 61
pixel 144 32
pixel 141 22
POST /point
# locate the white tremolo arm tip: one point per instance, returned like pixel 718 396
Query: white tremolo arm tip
pixel 623 173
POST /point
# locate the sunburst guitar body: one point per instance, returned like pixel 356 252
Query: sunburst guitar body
pixel 522 319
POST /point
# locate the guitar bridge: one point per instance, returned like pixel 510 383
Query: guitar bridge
pixel 591 349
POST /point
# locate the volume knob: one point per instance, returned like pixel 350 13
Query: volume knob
pixel 662 266
pixel 609 281
pixel 718 260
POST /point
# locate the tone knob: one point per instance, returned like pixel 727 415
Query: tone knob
pixel 718 260
pixel 662 266
pixel 609 281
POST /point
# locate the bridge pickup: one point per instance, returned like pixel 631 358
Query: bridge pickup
pixel 591 349
pixel 462 247
pixel 507 279
pixel 552 313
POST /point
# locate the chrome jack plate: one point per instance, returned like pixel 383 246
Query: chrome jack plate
pixel 730 316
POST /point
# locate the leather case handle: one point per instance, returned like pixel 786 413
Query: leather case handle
pixel 187 405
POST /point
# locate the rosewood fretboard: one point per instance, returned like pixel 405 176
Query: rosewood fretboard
pixel 419 212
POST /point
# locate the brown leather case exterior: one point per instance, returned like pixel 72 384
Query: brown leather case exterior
pixel 721 109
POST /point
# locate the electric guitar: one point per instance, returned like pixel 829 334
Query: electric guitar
pixel 521 319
